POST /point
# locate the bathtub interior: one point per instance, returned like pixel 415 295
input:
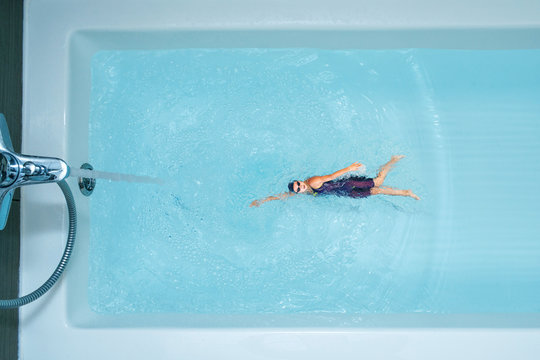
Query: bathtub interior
pixel 84 44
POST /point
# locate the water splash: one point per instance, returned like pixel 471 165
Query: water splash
pixel 74 172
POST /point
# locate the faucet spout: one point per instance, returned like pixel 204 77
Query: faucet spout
pixel 37 169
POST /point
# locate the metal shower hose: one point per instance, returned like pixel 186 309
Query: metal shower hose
pixel 14 303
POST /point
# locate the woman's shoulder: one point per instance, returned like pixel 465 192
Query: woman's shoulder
pixel 315 182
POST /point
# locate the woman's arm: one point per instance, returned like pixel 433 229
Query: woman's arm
pixel 270 198
pixel 317 181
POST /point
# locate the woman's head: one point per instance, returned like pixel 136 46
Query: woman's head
pixel 297 186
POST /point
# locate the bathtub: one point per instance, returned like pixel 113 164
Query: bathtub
pixel 60 38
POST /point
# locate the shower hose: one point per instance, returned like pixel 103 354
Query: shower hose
pixel 14 303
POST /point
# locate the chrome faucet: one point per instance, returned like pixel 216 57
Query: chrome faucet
pixel 18 170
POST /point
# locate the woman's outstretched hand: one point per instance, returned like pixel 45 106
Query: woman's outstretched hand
pixel 354 166
pixel 255 203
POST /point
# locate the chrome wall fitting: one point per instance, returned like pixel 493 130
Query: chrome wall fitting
pixel 87 185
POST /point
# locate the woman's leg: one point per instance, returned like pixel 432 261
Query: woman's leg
pixel 391 191
pixel 385 169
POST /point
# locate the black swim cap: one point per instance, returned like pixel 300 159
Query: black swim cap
pixel 291 185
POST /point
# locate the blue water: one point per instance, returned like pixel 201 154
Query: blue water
pixel 227 126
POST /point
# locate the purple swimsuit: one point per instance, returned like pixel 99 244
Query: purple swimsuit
pixel 354 186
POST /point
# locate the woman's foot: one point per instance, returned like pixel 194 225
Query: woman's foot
pixel 383 171
pixel 413 195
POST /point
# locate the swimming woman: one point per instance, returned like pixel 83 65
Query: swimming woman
pixel 353 186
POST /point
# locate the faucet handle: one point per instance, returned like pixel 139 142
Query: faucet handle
pixel 5 204
pixel 17 170
pixel 5 139
pixel 6 195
